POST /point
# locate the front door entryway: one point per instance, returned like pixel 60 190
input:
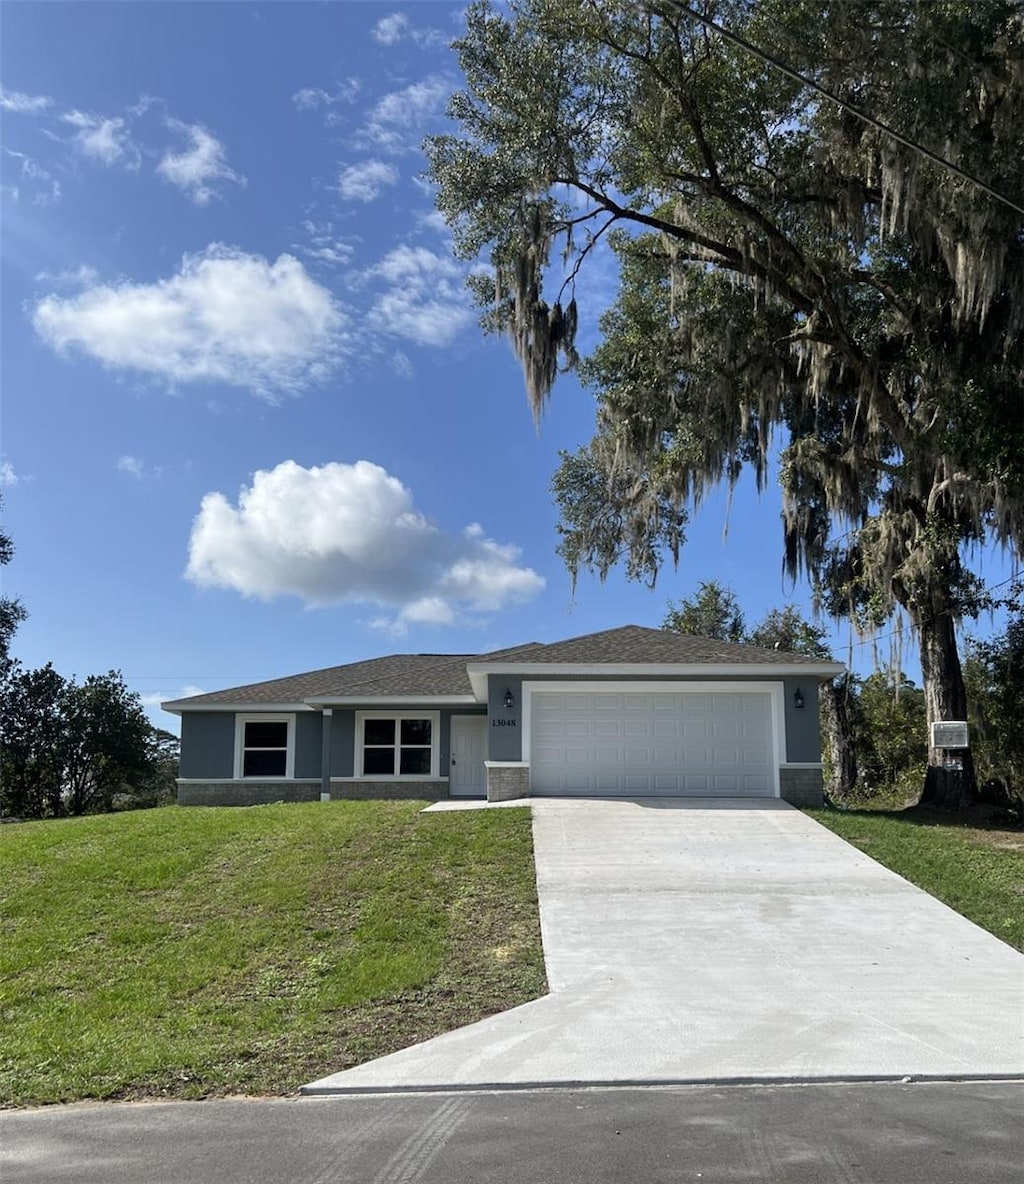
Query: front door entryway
pixel 467 776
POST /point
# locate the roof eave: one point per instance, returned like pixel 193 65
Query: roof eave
pixel 178 706
pixel 320 701
pixel 479 670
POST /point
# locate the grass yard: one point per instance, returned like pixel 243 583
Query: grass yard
pixel 973 866
pixel 181 953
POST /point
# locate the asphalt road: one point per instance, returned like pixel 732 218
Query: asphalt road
pixel 811 1134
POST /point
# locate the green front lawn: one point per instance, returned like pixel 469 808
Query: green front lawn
pixel 973 866
pixel 186 952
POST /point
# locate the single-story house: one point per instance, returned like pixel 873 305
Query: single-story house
pixel 628 712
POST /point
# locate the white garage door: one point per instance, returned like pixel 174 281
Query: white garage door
pixel 630 743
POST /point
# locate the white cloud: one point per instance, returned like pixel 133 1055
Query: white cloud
pixel 408 265
pixel 425 300
pixel 19 103
pixel 391 29
pixel 8 477
pixel 201 164
pixel 401 365
pixel 105 140
pixel 30 168
pixel 151 701
pixel 225 316
pixel 312 98
pixel 139 469
pixel 396 121
pixel 343 534
pixel 82 276
pixel 366 180
pixel 155 698
pixel 48 197
pixel 130 465
pixel 45 190
pixel 324 246
pixel 144 103
pixel 434 221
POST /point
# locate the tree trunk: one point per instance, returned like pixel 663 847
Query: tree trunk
pixel 835 719
pixel 945 698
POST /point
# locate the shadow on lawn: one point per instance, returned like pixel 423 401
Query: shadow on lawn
pixel 982 816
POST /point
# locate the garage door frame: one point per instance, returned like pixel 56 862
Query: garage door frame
pixel 775 691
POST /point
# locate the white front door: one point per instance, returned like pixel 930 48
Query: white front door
pixel 467 776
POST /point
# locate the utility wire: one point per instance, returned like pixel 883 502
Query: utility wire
pixel 771 60
pixel 874 640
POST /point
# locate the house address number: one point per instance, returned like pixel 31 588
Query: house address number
pixel 503 723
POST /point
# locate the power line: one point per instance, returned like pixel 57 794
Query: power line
pixel 771 60
pixel 874 640
pixel 198 677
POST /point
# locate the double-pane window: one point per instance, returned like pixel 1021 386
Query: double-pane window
pixel 397 746
pixel 265 748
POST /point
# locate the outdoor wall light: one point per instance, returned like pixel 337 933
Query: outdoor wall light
pixel 798 699
pixel 510 701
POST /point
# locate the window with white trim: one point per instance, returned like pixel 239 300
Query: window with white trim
pixel 264 746
pixel 397 745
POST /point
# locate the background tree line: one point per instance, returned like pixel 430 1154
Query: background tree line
pixel 875 728
pixel 74 748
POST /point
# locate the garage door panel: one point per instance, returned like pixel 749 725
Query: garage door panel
pixel 606 756
pixel 605 703
pixel 631 751
pixel 632 728
pixel 639 743
pixel 634 704
pixel 555 729
pixel 638 783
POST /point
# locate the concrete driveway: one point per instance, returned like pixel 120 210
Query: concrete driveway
pixel 700 940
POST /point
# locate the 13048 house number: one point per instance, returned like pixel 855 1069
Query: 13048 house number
pixel 503 723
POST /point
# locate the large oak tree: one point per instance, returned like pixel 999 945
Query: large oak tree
pixel 818 233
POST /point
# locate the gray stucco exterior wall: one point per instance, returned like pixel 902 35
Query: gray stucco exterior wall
pixel 343 742
pixel 803 729
pixel 207 744
pixel 505 725
pixel 444 744
pixel 308 733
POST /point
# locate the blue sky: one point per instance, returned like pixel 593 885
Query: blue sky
pixel 249 423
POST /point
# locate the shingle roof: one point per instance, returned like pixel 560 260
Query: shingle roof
pixel 636 645
pixel 445 675
pixel 397 674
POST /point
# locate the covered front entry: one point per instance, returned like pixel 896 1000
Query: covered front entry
pixel 713 740
pixel 467 776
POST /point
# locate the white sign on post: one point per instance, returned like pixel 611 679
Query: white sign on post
pixel 950 733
